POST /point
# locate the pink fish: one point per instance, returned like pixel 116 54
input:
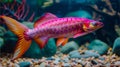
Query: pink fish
pixel 49 26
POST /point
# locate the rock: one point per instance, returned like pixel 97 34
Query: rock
pixel 86 54
pixel 116 46
pixel 79 65
pixel 24 64
pixel 57 60
pixel 89 53
pixel 59 54
pixel 98 46
pixel 101 58
pixel 50 48
pixel 70 46
pixel 50 58
pixel 94 62
pixel 117 63
pixel 108 64
pixel 80 13
pixel 10 39
pixel 35 52
pixel 75 54
pixel 42 64
pixel 16 65
pixel 88 64
pixel 66 60
pixel 66 65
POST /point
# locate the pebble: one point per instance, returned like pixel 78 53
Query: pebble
pixel 117 63
pixel 50 58
pixel 108 65
pixel 92 60
pixel 43 64
pixel 24 64
pixel 37 66
pixel 86 54
pixel 99 46
pixel 90 53
pixel 116 46
pixel 70 46
pixel 16 65
pixel 57 60
pixel 66 65
pixel 75 54
pixel 88 64
pixel 102 58
pixel 79 65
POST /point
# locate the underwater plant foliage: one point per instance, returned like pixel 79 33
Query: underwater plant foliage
pixel 7 1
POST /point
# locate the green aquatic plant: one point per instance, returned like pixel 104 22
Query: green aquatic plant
pixel 109 13
pixel 6 1
pixel 10 1
pixel 117 29
pixel 17 9
pixel 2 31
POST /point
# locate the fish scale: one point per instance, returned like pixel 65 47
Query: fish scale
pixel 61 26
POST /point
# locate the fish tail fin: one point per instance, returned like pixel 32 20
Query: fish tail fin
pixel 19 29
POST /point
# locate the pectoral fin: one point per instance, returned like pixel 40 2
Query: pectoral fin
pixel 80 34
pixel 62 41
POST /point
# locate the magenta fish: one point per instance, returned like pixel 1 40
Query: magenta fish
pixel 49 26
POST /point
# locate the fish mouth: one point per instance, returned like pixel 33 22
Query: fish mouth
pixel 100 24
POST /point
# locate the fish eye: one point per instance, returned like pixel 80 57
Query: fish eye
pixel 94 23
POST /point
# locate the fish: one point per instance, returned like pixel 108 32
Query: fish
pixel 46 27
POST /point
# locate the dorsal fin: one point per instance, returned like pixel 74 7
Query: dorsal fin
pixel 45 17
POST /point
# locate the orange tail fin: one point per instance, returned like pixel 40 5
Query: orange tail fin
pixel 19 29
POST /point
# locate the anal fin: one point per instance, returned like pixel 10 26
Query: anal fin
pixel 62 41
pixel 80 34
